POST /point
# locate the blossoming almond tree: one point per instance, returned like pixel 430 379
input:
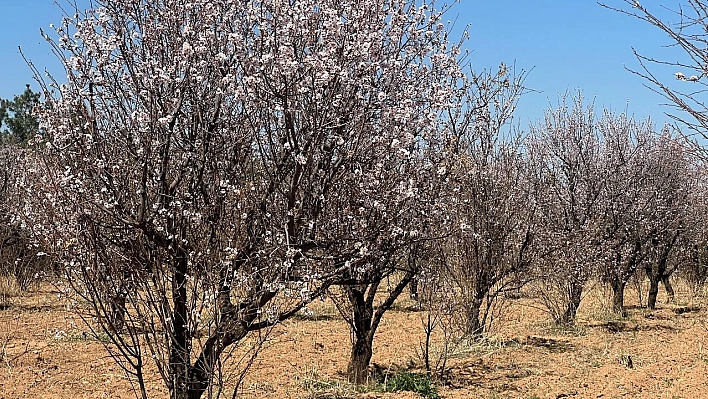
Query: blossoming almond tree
pixel 18 258
pixel 627 196
pixel 616 201
pixel 672 180
pixel 685 26
pixel 565 150
pixel 490 227
pixel 210 167
pixel 693 249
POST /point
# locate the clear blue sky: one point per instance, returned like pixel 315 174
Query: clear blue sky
pixel 569 45
pixel 566 44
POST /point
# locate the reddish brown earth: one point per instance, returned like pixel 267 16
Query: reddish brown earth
pixel 47 352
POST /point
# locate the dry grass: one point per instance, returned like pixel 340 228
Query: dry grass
pixel 8 289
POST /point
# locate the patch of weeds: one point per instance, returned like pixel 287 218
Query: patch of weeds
pixel 329 395
pixel 322 388
pixel 411 382
pixel 553 345
pixel 261 387
pixel 617 326
pixel 517 372
pixel 83 336
pixel 606 316
pixel 482 346
pixel 312 316
pixel 669 382
pixel 328 388
pixel 8 289
pixel 571 330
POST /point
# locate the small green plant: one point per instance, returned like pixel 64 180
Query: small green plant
pixel 412 382
pixel 97 336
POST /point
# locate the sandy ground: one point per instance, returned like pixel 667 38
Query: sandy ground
pixel 46 351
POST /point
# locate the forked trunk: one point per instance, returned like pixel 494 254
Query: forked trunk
pixel 364 321
pixel 361 323
pixel 657 272
pixel 574 298
pixel 656 276
pixel 117 304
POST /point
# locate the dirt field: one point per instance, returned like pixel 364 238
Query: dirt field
pixel 47 352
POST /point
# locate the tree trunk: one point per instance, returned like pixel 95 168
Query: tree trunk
pixel 365 321
pixel 362 314
pixel 429 326
pixel 474 325
pixel 653 289
pixel 179 346
pixel 658 272
pixel 201 374
pixel 571 310
pixel 618 297
pixel 669 289
pixel 358 369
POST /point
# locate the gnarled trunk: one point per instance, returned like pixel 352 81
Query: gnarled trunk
pixel 658 271
pixel 362 347
pixel 414 289
pixel 620 277
pixel 475 327
pixel 362 350
pixel 618 297
pixel 574 298
pixel 200 374
pixel 364 320
pixel 117 304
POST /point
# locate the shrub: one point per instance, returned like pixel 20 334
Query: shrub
pixel 412 382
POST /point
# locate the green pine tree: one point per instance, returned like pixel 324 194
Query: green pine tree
pixel 17 122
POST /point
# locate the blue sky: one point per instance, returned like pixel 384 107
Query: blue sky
pixel 566 45
pixel 571 45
